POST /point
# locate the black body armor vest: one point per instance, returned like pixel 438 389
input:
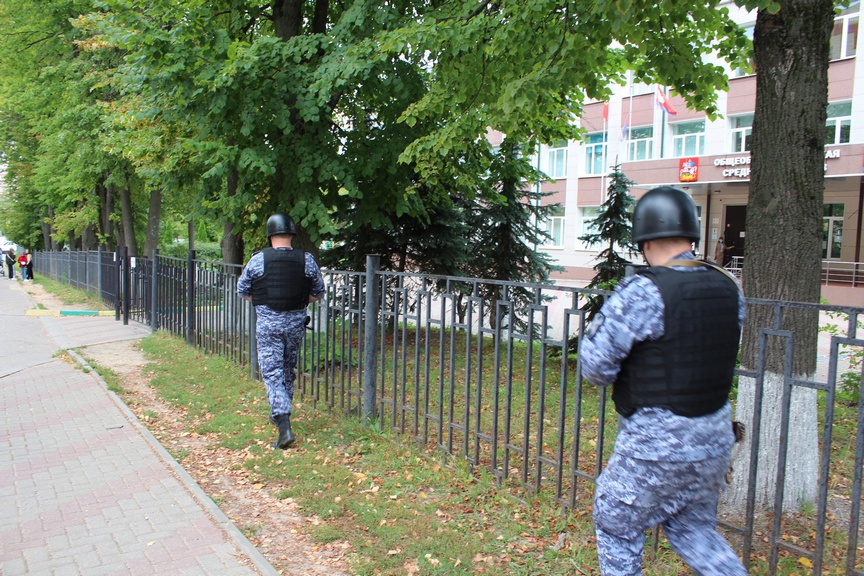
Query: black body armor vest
pixel 284 285
pixel 689 370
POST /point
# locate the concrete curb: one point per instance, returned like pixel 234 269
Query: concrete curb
pixel 260 562
pixel 68 313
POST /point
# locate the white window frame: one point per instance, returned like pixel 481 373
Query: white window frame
pixel 556 160
pixel 682 143
pixel 586 215
pixel 836 123
pixel 843 31
pixel 592 146
pixel 741 129
pixel 641 148
pixel 555 228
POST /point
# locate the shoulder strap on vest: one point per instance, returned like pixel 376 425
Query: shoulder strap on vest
pixel 704 264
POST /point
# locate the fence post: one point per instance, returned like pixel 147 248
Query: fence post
pixel 99 273
pixel 253 342
pixel 116 274
pixel 154 282
pixel 127 297
pixel 370 338
pixel 190 297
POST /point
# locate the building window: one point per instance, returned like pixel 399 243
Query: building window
pixel 688 138
pixel 587 216
pixel 844 37
pixel 641 144
pixel 839 123
pixel 595 153
pixel 832 231
pixel 555 228
pixel 556 160
pixel 742 128
pixel 748 30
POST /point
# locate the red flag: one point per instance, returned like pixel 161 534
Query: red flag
pixel 664 102
pixel 606 111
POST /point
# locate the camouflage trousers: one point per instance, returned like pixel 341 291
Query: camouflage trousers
pixel 634 495
pixel 277 360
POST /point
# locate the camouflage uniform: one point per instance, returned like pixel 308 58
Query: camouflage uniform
pixel 666 469
pixel 279 335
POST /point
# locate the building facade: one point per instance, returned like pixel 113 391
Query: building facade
pixel 658 141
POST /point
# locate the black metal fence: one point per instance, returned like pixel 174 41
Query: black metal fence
pixel 484 371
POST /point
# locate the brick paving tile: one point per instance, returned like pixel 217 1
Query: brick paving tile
pixel 84 488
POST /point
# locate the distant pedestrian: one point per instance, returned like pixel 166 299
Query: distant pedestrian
pixel 720 251
pixel 23 260
pixel 280 281
pixel 9 258
pixel 29 265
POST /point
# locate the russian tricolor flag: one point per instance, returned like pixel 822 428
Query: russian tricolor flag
pixel 664 102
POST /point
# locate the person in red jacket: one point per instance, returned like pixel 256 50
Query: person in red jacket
pixel 23 261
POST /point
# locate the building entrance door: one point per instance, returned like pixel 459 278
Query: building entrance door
pixel 736 218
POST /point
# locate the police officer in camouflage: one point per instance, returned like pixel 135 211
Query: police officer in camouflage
pixel 280 281
pixel 667 341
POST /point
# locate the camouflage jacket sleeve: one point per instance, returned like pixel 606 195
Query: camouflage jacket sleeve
pixel 313 272
pixel 254 269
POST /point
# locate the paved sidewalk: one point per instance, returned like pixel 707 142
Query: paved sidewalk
pixel 84 487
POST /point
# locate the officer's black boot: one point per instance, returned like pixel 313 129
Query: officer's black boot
pixel 286 436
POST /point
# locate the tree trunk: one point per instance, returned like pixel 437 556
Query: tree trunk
pixel 304 242
pixel 287 18
pixel 319 20
pixel 128 221
pixel 191 232
pixel 784 239
pixel 47 240
pixel 232 243
pixel 154 215
pixel 109 229
pixel 88 237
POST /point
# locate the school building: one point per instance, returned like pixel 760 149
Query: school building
pixel 658 141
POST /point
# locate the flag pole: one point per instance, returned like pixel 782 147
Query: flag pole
pixel 603 154
pixel 630 117
pixel 663 127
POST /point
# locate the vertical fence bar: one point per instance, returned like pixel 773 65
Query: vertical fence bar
pixel 190 297
pixel 116 276
pixel 127 297
pixel 253 342
pixel 370 337
pixel 154 298
pixel 99 272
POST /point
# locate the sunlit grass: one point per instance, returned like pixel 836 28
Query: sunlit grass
pixel 69 295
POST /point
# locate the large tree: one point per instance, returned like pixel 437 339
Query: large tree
pixel 58 111
pixel 784 236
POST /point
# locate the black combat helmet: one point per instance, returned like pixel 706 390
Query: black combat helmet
pixel 280 223
pixel 665 212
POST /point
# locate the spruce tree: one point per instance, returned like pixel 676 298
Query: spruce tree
pixel 612 228
pixel 507 230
